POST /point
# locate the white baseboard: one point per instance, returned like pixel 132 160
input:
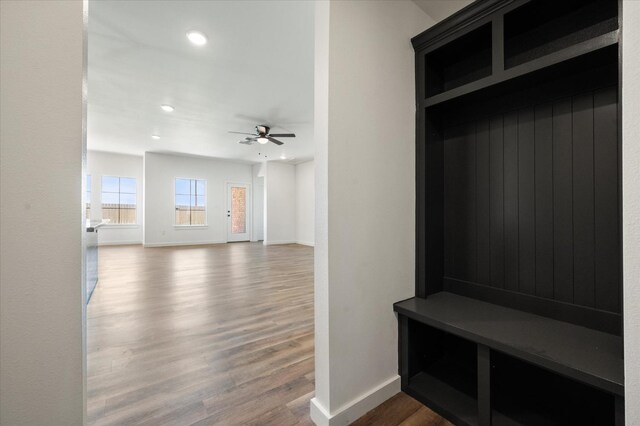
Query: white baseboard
pixel 306 243
pixel 273 243
pixel 355 409
pixel 319 415
pixel 120 243
pixel 187 243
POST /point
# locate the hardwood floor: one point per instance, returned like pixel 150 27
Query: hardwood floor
pixel 401 410
pixel 204 335
pixel 219 334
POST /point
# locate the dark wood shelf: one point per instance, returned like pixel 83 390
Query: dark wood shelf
pixel 540 27
pixel 516 399
pixel 601 28
pixel 444 398
pixel 580 353
pixel 566 54
pixel 462 61
pixel 500 420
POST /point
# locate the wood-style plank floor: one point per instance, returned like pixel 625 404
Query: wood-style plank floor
pixel 209 335
pixel 401 410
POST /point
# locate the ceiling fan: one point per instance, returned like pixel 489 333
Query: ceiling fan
pixel 262 136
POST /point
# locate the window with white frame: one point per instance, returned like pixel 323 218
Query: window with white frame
pixel 191 202
pixel 119 201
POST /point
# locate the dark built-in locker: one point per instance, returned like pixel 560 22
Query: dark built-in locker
pixel 518 311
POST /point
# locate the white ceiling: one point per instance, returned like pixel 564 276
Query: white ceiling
pixel 257 68
pixel 440 9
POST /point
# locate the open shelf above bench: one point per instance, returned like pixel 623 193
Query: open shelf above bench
pixel 570 55
pixel 542 27
pixel 580 353
pixel 529 36
pixel 466 59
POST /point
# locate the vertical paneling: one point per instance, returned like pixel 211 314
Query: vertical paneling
pixel 526 201
pixel 496 199
pixel 460 211
pixel 544 200
pixel 469 226
pixel 511 201
pixel 562 202
pixel 482 203
pixel 430 235
pixel 607 234
pixel 583 202
pixel 452 205
pixel 531 201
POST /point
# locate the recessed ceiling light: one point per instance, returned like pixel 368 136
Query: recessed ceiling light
pixel 263 140
pixel 155 137
pixel 283 157
pixel 197 38
pixel 167 108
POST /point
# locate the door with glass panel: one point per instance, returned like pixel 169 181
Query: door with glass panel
pixel 238 212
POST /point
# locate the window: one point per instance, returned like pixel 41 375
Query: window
pixel 87 208
pixel 190 202
pixel 119 200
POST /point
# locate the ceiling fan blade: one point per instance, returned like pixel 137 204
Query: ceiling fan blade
pixel 276 141
pixel 243 133
pixel 246 142
pixel 283 135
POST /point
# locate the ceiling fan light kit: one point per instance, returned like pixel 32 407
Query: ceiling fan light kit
pixel 262 136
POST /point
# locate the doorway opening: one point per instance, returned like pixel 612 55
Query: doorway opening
pixel 184 327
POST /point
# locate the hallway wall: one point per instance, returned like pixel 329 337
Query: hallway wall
pixel 258 201
pixel 631 206
pixel 42 151
pixel 305 203
pixel 280 203
pixel 365 183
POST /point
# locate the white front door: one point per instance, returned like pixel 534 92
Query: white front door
pixel 238 212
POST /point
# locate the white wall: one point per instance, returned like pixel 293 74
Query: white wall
pixel 160 172
pixel 631 205
pixel 320 405
pixel 305 203
pixel 366 240
pixel 107 164
pixel 441 9
pixel 280 203
pixel 41 212
pixel 258 201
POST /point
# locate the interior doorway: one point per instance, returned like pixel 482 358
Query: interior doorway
pixel 182 327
